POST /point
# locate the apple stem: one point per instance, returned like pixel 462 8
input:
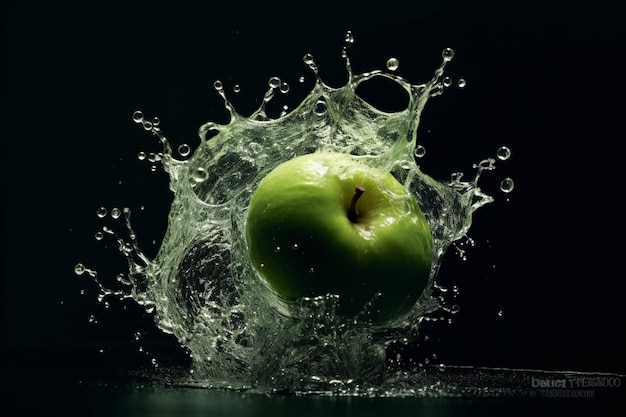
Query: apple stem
pixel 353 213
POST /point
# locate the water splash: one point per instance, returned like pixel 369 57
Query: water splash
pixel 201 284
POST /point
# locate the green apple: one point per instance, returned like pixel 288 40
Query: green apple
pixel 327 223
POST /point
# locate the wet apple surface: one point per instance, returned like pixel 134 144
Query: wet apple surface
pixel 327 223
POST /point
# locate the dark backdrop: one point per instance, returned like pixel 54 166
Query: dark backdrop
pixel 545 80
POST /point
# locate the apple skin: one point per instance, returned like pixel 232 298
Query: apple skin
pixel 302 242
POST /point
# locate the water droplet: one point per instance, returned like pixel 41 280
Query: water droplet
pixel 503 153
pixel 277 249
pixel 101 212
pixel 301 79
pixel 274 82
pixel 184 149
pixel 79 269
pixel 311 270
pixel 99 236
pixel 507 185
pixel 141 155
pixel 441 367
pixel 462 83
pixel 236 88
pixel 294 246
pixel 147 125
pixel 218 85
pixel 137 335
pixel 393 64
pixel 447 81
pixel 419 151
pixel 200 175
pixel 447 54
pixel 116 213
pixel 500 313
pixel 138 117
pixel 308 59
pixel 156 121
pixel 284 87
pixel 349 37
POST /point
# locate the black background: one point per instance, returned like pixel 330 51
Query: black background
pixel 546 80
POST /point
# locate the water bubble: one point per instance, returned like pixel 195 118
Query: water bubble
pixel 116 213
pixel 147 125
pixel 462 83
pixel 79 269
pixel 138 117
pixel 419 151
pixel 236 88
pixel 503 153
pixel 455 309
pixel 218 85
pixel 101 212
pixel 320 108
pixel 447 81
pixel 447 54
pixel 441 367
pixel 200 175
pixel 284 87
pixel 141 155
pixel 393 64
pixel 308 59
pixel 99 235
pixel 156 121
pixel 507 185
pixel 184 149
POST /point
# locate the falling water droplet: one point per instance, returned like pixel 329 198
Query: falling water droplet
pixel 507 185
pixel 138 117
pixel 116 213
pixel 274 82
pixel 447 54
pixel 79 269
pixel 503 153
pixel 393 64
